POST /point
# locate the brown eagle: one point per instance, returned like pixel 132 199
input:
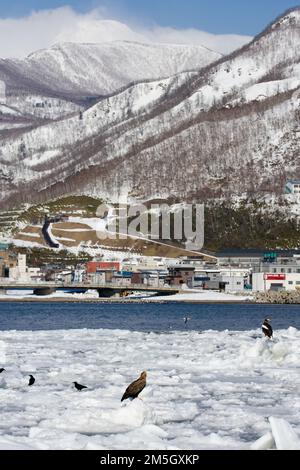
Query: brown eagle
pixel 135 388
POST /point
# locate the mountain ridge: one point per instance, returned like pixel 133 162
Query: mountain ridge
pixel 210 133
pixel 104 68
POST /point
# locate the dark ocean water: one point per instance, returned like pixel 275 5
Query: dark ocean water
pixel 144 317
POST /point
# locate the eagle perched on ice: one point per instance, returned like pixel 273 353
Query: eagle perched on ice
pixel 135 388
pixel 267 329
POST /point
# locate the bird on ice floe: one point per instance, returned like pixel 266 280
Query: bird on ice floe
pixel 31 380
pixel 267 329
pixel 2 370
pixel 79 387
pixel 135 388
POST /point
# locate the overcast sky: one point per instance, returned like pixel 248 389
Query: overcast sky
pixel 26 26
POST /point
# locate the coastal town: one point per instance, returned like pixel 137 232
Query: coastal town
pixel 65 248
pixel 234 272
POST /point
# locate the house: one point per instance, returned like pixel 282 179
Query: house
pixel 65 276
pixel 122 279
pixel 179 275
pixel 226 278
pixel 22 272
pixel 292 187
pixel 3 269
pixel 78 275
pixel 234 282
pixel 145 263
pixel 137 278
pixel 8 261
pixel 102 276
pixel 94 266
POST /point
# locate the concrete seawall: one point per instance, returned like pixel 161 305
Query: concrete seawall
pixel 270 297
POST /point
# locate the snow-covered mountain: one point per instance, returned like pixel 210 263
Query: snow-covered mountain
pixel 54 82
pixel 101 69
pixel 228 129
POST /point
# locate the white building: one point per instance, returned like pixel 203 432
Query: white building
pixel 293 187
pixel 234 283
pixel 145 263
pixel 78 275
pixel 234 279
pixel 277 282
pixel 22 273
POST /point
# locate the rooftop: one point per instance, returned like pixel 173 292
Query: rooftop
pixel 252 252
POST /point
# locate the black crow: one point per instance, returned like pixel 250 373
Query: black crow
pixel 78 386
